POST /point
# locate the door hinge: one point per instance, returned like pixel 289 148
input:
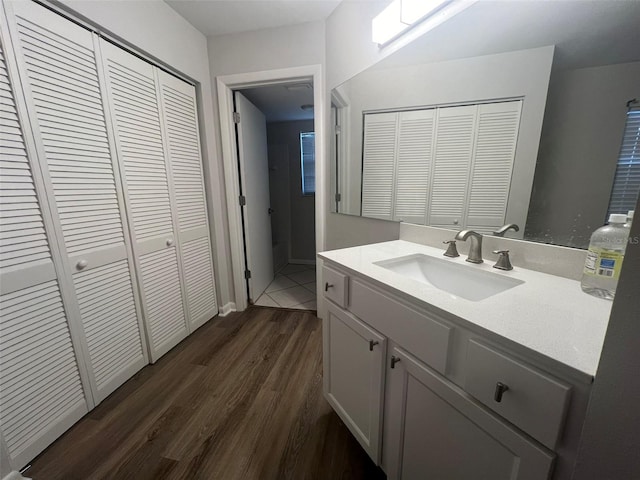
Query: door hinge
pixel 338 197
pixel 236 117
pixel 242 200
pixel 247 274
pixel 337 129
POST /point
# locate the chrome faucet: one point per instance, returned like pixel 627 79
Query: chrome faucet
pixel 503 229
pixel 475 248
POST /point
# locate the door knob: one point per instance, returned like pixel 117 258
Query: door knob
pixel 82 264
pixel 169 242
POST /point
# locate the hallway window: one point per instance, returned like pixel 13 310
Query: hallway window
pixel 308 162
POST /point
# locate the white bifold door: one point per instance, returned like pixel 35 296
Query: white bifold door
pixel 41 388
pixel 155 128
pixel 105 254
pixel 60 79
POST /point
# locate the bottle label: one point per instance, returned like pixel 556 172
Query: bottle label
pixel 603 263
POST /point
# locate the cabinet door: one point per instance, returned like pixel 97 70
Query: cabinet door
pixel 378 164
pixel 135 114
pixel 433 429
pixel 354 376
pixel 180 122
pixel 60 80
pixel 41 389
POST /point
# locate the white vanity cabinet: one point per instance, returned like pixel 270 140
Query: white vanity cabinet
pixel 434 429
pixel 419 390
pixel 354 358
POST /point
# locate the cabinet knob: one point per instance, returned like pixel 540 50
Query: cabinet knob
pixel 500 389
pixel 372 343
pixel 394 360
pixel 327 286
pixel 82 264
pixel 169 242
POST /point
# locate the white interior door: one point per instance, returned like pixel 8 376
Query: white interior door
pixel 254 175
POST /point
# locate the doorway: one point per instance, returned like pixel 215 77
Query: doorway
pixel 277 256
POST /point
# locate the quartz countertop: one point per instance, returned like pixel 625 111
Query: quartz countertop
pixel 548 314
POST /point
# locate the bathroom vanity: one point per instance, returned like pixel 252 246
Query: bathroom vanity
pixel 447 370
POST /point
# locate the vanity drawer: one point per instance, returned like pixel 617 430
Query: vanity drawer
pixel 335 286
pixel 532 400
pixel 423 336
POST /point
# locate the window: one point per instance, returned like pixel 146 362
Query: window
pixel 308 162
pixel 626 183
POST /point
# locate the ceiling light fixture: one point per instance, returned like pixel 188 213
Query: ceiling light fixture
pixel 400 15
pixel 294 87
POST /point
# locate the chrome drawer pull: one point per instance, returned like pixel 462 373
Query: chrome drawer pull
pixel 500 389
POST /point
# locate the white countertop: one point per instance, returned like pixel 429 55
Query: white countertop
pixel 548 314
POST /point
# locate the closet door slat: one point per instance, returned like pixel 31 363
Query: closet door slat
pixel 494 154
pixel 62 87
pixel 41 392
pixel 180 118
pixel 378 164
pixel 136 118
pixel 452 164
pixel 413 165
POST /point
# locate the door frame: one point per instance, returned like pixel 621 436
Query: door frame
pixel 225 86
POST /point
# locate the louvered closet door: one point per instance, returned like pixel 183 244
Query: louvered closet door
pixel 183 145
pixel 378 164
pixel 451 167
pixel 135 115
pixel 41 393
pixel 494 153
pixel 60 78
pixel 413 165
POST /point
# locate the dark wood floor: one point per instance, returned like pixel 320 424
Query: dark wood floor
pixel 239 399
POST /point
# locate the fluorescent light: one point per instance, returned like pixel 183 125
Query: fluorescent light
pixel 387 24
pixel 412 11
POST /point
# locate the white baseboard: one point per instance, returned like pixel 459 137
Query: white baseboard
pixel 302 262
pixel 15 475
pixel 226 310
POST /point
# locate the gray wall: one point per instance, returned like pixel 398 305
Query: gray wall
pixel 611 435
pixel 302 239
pixel 579 147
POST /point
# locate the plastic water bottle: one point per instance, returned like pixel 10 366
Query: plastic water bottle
pixel 604 258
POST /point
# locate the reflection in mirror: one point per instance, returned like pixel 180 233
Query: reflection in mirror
pixel 481 123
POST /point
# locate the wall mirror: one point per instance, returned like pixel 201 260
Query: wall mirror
pixel 510 112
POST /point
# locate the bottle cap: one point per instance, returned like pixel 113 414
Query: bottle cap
pixel 617 218
pixel 630 215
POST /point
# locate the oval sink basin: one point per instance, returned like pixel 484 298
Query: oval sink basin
pixel 459 280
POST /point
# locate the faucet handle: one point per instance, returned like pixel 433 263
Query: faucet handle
pixel 452 250
pixel 503 262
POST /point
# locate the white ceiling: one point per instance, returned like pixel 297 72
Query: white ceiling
pixel 220 17
pixel 280 104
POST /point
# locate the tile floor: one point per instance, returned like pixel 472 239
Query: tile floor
pixel 293 287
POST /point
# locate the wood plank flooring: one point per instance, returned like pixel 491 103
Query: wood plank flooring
pixel 241 398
